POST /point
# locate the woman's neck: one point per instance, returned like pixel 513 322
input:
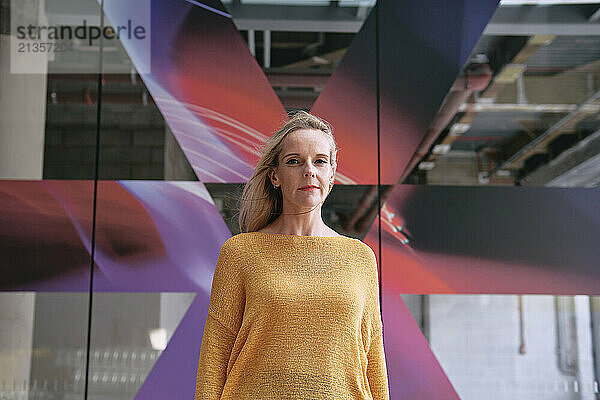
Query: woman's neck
pixel 298 225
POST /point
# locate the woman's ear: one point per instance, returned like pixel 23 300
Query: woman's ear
pixel 273 177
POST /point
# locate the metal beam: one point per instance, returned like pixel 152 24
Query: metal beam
pixel 507 21
pixel 530 20
pixel 595 16
pixel 262 17
pixel 251 42
pixel 297 18
pixel 362 12
pixel 267 49
pixel 575 167
pixel 522 29
pixel 541 140
pixel 297 25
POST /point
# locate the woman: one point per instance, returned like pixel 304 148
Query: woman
pixel 294 306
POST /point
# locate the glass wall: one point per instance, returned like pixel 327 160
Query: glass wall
pixel 467 136
pixel 496 276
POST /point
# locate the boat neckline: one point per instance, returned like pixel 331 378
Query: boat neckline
pixel 302 236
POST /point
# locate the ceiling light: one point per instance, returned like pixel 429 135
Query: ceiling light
pixel 480 58
pixel 426 165
pixel 483 178
pixel 441 149
pixel 158 338
pixel 320 60
pixel 458 129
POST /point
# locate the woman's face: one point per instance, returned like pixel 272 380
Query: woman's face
pixel 304 171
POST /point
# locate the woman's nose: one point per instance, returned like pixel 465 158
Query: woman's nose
pixel 309 171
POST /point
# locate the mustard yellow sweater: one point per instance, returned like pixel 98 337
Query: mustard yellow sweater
pixel 293 317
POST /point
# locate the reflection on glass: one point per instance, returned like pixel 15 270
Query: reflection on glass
pixel 525 108
pixel 42 345
pixel 129 332
pixel 45 225
pixel 135 141
pixel 515 347
pixel 47 119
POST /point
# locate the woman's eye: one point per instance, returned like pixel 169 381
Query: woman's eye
pixel 295 161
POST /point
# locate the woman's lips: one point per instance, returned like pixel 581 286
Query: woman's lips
pixel 309 188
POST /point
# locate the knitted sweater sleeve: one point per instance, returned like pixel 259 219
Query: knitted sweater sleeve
pixel 225 312
pixel 376 364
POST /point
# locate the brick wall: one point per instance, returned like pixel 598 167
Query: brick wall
pixel 132 142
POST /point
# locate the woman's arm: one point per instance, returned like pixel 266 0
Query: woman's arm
pixel 376 365
pixel 225 312
pixel 215 350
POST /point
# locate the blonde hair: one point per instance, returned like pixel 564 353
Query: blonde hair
pixel 261 204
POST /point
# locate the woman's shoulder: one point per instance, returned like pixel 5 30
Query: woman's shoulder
pixel 244 240
pixel 359 250
pixel 363 248
pixel 238 241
